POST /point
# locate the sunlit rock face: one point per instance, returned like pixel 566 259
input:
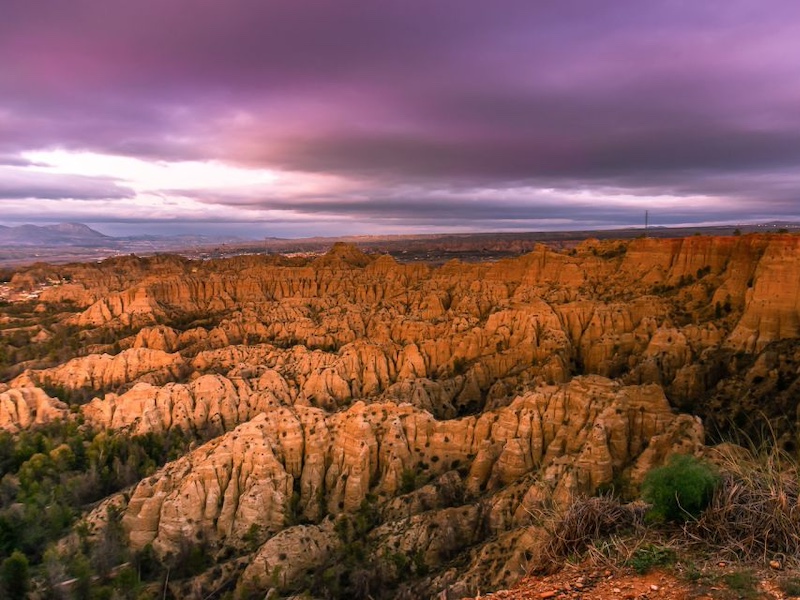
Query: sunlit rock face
pixel 436 408
pixel 301 463
pixel 21 408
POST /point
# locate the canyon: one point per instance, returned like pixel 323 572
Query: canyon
pixel 376 428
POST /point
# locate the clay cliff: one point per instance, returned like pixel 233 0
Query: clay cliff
pixel 302 464
pixel 423 412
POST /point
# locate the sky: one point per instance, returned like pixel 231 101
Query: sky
pixel 319 117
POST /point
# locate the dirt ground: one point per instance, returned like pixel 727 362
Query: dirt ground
pixel 722 581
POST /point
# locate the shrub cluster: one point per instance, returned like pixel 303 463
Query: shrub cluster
pixel 679 490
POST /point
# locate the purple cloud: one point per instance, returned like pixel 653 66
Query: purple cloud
pixel 450 99
pixel 20 184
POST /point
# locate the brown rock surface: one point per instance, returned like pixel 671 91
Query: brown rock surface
pixel 570 439
pixel 105 371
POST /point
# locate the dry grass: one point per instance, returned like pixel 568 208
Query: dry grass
pixel 583 523
pixel 753 517
pixel 754 513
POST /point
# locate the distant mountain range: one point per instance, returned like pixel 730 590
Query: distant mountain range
pixel 78 235
pixel 72 242
pixel 63 234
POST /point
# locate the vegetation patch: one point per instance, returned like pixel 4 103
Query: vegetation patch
pixel 49 474
pixel 680 490
pixel 744 582
pixel 650 556
pixel 790 585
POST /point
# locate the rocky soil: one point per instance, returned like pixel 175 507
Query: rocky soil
pixel 588 582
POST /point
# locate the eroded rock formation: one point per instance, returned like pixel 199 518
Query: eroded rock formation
pixel 441 406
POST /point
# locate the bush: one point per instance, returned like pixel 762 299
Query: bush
pixel 14 575
pixel 679 490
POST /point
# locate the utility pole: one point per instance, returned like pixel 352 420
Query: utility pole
pixel 646 221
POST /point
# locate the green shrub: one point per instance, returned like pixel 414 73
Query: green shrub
pixel 14 576
pixel 680 490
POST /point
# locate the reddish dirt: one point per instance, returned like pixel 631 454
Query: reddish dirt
pixel 590 583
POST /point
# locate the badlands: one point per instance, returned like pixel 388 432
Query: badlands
pixel 351 426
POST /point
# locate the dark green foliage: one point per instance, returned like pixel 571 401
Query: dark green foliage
pixel 81 570
pixel 127 583
pixel 411 480
pixel 408 481
pixel 616 251
pixel 110 548
pixel 356 570
pixel 147 563
pixel 48 474
pixel 253 538
pixel 352 528
pixel 190 560
pixel 679 490
pixel 663 289
pixel 73 397
pixel 14 576
pixel 186 321
pixel 64 341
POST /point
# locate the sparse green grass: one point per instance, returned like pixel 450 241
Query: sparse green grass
pixel 743 582
pixel 649 556
pixel 790 586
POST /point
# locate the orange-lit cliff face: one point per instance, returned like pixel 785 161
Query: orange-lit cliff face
pixel 453 400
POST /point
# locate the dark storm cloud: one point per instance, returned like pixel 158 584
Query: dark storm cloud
pixel 634 160
pixel 503 209
pixel 454 98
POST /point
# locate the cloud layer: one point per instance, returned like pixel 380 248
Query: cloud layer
pixel 394 115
